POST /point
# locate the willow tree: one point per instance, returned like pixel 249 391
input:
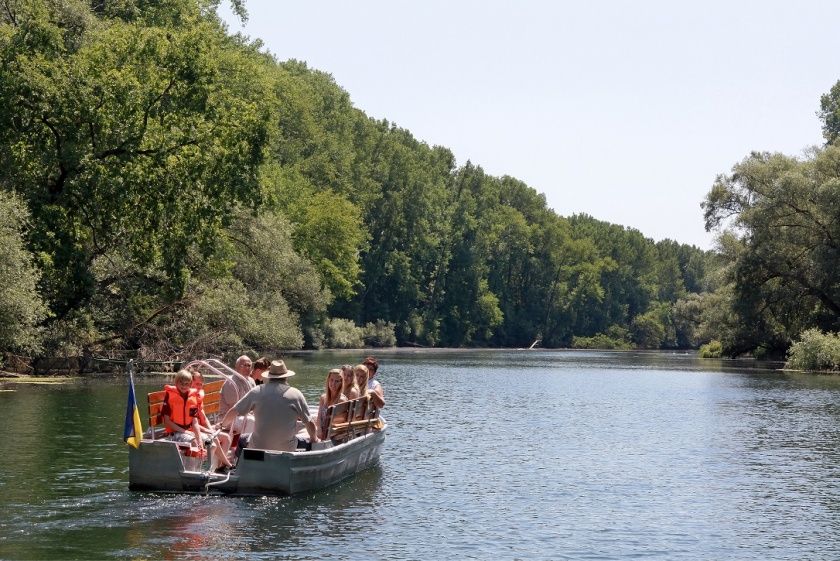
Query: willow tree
pixel 786 214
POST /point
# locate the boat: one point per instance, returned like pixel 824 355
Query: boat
pixel 354 442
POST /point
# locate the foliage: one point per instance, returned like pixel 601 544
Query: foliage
pixel 647 330
pixel 121 135
pixel 615 338
pixel 712 349
pixel 330 233
pixel 815 350
pixel 342 333
pixel 687 315
pixel 270 268
pixel 829 113
pixel 379 334
pixel 783 217
pixel 21 307
pixel 224 316
pixel 190 193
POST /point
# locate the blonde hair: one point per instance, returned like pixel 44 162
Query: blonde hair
pixel 361 368
pixel 347 389
pixel 327 392
pixel 183 376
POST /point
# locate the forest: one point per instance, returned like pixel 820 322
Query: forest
pixel 169 188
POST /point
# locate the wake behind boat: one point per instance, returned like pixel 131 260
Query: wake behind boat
pixel 354 442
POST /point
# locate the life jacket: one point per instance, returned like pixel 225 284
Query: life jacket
pixel 182 411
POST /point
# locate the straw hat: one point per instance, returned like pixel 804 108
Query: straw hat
pixel 278 370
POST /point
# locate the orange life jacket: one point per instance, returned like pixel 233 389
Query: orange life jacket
pixel 182 411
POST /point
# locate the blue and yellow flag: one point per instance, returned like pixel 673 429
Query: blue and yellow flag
pixel 133 432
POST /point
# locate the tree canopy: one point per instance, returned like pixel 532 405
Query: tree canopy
pixel 784 215
pixel 189 192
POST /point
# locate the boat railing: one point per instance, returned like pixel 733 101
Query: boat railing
pixel 214 365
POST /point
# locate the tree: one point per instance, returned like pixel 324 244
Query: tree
pixel 785 214
pixel 141 135
pixel 21 308
pixel 829 113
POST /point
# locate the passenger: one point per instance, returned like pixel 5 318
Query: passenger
pixel 180 409
pixel 222 439
pixel 332 395
pixel 374 387
pixel 260 366
pixel 197 381
pixel 236 385
pixel 234 389
pixel 277 408
pixel 361 374
pixel 349 389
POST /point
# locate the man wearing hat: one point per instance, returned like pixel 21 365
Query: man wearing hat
pixel 277 407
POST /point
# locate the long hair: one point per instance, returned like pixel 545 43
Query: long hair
pixel 331 396
pixel 361 369
pixel 348 387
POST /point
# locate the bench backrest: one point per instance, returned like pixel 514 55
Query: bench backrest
pixel 353 418
pixel 212 397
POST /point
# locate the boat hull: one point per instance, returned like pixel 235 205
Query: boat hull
pixel 159 466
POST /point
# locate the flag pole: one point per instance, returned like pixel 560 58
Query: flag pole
pixel 133 430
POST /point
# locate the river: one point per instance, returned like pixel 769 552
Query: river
pixel 490 455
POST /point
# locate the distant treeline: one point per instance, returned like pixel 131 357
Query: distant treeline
pixel 168 187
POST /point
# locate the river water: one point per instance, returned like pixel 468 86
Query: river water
pixel 489 455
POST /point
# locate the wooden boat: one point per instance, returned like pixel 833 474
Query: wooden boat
pixel 354 442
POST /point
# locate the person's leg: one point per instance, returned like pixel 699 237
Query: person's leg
pixel 242 444
pixel 221 449
pixel 224 442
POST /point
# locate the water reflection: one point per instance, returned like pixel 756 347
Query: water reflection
pixel 195 527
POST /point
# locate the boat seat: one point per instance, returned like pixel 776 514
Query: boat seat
pixel 349 419
pixel 213 399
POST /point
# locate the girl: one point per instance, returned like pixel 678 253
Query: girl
pixel 332 395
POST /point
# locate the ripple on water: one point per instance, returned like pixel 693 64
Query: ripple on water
pixel 505 456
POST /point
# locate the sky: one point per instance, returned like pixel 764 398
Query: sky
pixel 626 111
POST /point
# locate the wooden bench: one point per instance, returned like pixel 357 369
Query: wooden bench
pixel 212 398
pixel 349 419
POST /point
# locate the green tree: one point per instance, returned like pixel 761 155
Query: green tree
pixel 829 113
pixel 783 213
pixel 135 134
pixel 21 308
pixel 467 309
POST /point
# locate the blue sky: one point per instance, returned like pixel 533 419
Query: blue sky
pixel 622 110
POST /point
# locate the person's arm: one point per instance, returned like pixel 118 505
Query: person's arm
pixel 203 422
pixel 228 397
pixel 378 396
pixel 303 415
pixel 241 407
pixel 196 428
pixel 170 424
pixel 312 430
pixel 228 419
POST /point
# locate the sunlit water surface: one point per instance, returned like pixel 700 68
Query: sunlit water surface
pixel 489 455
